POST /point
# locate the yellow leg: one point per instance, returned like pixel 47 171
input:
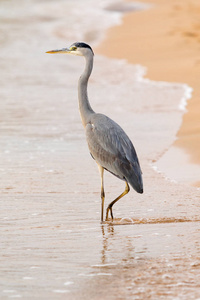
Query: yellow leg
pixel 101 169
pixel 109 208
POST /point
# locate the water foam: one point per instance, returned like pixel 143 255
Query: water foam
pixel 186 97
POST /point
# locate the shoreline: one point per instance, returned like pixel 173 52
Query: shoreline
pixel 170 52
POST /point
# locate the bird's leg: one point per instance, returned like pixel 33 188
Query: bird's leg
pixel 102 191
pixel 109 208
pixel 102 202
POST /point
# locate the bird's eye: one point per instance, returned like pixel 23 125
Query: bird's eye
pixel 73 48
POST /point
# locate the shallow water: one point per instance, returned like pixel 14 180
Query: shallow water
pixel 52 243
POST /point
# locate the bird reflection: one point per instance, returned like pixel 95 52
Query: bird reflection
pixel 105 238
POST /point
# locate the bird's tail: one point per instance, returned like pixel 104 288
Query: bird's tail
pixel 134 178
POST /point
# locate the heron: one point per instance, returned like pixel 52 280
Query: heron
pixel 108 143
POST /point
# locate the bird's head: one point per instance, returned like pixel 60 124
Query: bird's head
pixel 77 48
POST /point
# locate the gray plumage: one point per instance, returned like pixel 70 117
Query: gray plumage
pixel 109 145
pixel 112 149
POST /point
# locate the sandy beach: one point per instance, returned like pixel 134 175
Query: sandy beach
pixel 52 243
pixel 165 38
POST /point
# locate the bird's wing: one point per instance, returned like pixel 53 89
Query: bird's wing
pixel 110 146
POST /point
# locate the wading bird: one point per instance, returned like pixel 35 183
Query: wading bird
pixel 109 145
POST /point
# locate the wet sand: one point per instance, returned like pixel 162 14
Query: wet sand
pixel 165 39
pixel 52 243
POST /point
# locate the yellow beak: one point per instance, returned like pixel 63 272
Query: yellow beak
pixel 63 50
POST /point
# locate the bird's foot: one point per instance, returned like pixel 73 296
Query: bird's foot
pixel 109 208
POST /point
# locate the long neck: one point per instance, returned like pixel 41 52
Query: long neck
pixel 84 105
